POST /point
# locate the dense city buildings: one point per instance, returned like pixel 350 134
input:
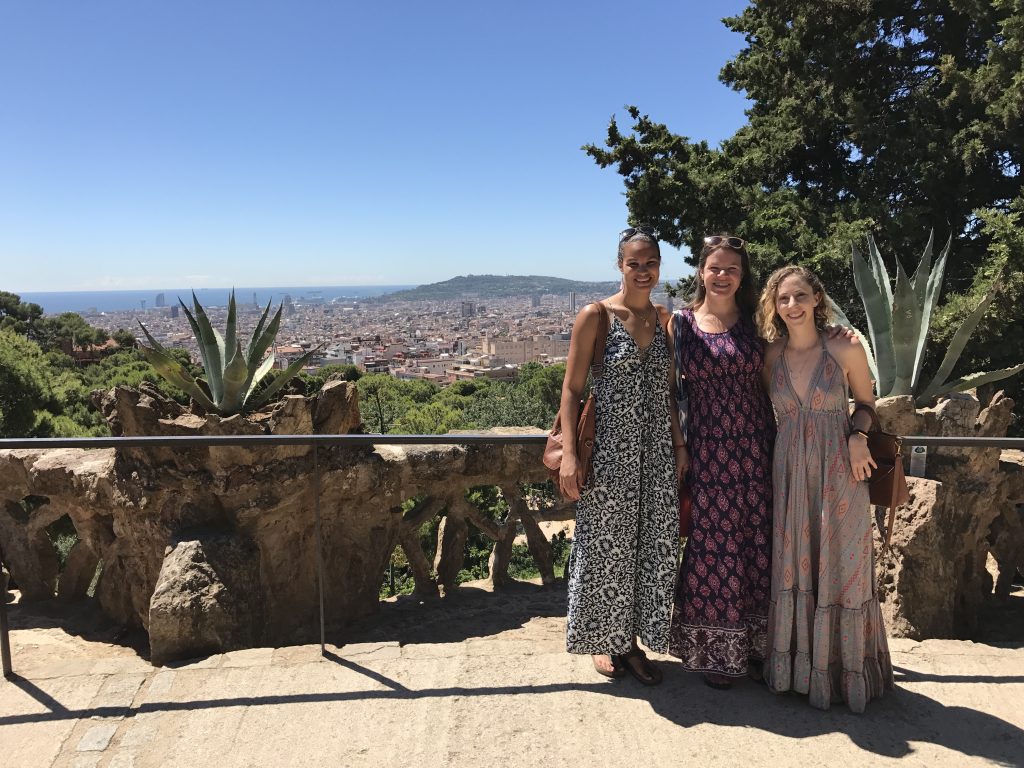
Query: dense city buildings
pixel 440 341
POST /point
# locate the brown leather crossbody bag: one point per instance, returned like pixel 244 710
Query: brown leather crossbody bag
pixel 887 484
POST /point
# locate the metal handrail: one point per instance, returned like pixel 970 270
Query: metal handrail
pixel 316 441
pixel 21 443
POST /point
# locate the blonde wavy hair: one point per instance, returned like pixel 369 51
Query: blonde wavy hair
pixel 770 325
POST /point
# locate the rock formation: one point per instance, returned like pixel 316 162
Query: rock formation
pixel 934 582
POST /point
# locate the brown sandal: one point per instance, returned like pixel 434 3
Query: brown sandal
pixel 617 669
pixel 640 667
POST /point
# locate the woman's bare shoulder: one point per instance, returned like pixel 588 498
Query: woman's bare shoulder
pixel 844 348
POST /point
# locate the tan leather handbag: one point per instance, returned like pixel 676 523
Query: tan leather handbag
pixel 888 483
pixel 585 423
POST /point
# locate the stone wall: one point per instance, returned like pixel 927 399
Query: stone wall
pixel 212 549
pixel 215 548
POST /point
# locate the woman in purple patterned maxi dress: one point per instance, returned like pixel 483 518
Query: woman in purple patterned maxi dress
pixel 721 605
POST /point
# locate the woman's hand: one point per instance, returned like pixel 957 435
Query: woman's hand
pixel 569 481
pixel 682 461
pixel 860 457
pixel 835 331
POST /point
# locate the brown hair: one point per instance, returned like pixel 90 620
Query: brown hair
pixel 769 324
pixel 746 294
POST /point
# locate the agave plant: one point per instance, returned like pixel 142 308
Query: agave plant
pixel 232 376
pixel 898 323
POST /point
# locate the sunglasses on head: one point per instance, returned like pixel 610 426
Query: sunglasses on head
pixel 713 241
pixel 641 229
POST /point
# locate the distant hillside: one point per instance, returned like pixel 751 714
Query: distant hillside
pixel 499 286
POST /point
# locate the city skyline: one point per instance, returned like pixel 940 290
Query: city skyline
pixel 328 144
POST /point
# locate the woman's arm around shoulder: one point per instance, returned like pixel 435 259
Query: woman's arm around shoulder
pixel 664 316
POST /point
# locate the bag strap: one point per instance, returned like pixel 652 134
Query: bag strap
pixel 892 514
pixel 597 363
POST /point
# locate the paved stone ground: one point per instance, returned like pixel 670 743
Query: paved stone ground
pixel 476 680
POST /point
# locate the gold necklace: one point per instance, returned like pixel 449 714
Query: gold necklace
pixel 647 322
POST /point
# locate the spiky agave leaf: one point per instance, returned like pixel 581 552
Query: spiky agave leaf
pixel 236 382
pixel 924 266
pixel 173 371
pixel 927 289
pixel 906 327
pixel 281 380
pixel 972 380
pixel 257 377
pixel 259 346
pixel 956 346
pixel 229 329
pixel 211 346
pixel 252 355
pixel 878 308
pixel 878 272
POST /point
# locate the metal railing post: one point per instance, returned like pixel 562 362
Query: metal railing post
pixel 319 544
pixel 5 639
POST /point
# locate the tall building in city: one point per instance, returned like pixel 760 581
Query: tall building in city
pixel 161 300
pixel 468 309
pixel 572 302
pixel 255 303
pixel 535 300
pixel 142 303
pixel 668 304
pixel 174 311
pixel 289 307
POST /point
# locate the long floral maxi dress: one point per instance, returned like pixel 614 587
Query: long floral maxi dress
pixel 825 626
pixel 623 564
pixel 721 602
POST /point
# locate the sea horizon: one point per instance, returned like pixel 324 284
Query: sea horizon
pixel 55 302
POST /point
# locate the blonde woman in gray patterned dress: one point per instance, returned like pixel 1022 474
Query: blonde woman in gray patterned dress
pixel 623 566
pixel 825 632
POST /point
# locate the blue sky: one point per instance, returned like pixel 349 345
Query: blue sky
pixel 147 145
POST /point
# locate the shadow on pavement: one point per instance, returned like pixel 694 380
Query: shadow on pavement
pixel 889 727
pixel 470 611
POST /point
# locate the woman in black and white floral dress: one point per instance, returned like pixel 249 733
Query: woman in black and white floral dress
pixel 623 567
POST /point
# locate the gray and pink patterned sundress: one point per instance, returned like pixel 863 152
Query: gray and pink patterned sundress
pixel 825 626
pixel 625 550
pixel 721 604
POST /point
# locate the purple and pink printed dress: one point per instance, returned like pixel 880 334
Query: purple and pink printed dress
pixel 721 604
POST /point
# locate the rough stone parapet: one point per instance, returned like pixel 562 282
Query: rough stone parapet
pixel 934 581
pixel 158 519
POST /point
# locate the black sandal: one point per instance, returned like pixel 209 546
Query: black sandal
pixel 642 668
pixel 718 686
